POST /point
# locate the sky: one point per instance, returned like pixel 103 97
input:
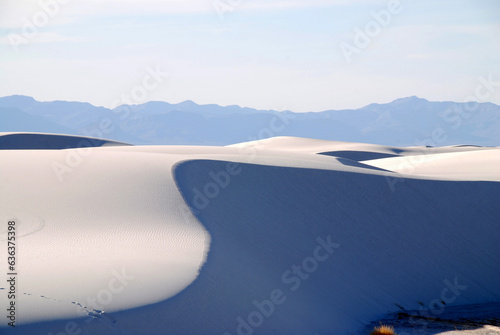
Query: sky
pixel 299 55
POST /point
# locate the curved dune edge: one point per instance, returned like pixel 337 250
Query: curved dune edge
pixel 267 219
pixel 397 248
pixel 114 233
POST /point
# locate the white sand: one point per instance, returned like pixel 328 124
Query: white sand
pixel 113 212
pixel 486 330
pixel 468 165
pixel 123 209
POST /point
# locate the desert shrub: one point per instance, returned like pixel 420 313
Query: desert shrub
pixel 383 330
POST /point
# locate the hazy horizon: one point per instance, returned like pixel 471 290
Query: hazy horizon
pixel 242 106
pixel 285 55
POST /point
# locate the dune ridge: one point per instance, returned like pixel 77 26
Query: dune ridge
pixel 209 240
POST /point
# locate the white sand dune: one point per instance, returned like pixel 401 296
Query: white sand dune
pixel 20 141
pixel 466 165
pixel 486 330
pixel 369 238
pixel 111 222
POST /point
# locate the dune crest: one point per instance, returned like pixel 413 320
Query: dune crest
pixel 251 238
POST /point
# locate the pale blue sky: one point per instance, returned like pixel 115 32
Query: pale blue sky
pixel 275 54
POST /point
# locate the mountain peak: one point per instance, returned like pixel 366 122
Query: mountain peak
pixel 20 101
pixel 187 103
pixel 412 99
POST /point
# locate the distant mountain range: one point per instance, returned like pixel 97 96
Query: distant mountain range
pixel 403 122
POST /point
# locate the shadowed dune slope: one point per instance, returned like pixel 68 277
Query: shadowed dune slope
pixel 395 247
pixel 392 249
pixel 33 141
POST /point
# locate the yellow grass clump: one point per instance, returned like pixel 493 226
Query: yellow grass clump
pixel 383 330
